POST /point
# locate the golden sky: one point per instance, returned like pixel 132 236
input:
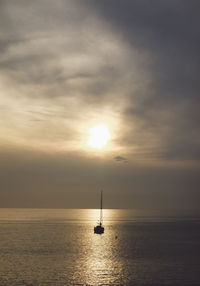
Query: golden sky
pixel 68 66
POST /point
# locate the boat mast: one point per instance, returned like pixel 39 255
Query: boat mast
pixel 101 205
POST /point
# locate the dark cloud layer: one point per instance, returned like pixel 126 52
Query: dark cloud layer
pixel 70 180
pixel 169 32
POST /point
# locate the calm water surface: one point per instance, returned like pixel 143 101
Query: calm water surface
pixel 58 247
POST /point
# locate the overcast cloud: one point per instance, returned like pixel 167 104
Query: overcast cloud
pixel 68 65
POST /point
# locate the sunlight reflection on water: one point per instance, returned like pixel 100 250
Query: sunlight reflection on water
pixel 59 247
pixel 101 264
pixel 61 215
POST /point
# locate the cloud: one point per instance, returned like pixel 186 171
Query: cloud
pixel 57 75
pixel 80 62
pixel 133 65
pixel 162 114
pixel 120 159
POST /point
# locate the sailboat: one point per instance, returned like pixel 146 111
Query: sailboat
pixel 99 228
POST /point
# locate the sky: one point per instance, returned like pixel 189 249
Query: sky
pixel 67 66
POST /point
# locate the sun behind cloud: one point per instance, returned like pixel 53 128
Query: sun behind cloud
pixel 99 136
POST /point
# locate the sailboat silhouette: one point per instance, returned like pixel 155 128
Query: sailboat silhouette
pixel 99 229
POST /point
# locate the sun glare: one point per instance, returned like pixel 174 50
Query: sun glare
pixel 99 136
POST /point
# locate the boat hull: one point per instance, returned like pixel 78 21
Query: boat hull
pixel 99 229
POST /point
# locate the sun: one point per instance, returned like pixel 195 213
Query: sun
pixel 99 136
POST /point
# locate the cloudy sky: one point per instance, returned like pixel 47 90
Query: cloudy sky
pixel 69 65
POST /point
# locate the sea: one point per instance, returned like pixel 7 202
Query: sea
pixel 59 248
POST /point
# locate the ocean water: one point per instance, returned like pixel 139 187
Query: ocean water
pixel 58 247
